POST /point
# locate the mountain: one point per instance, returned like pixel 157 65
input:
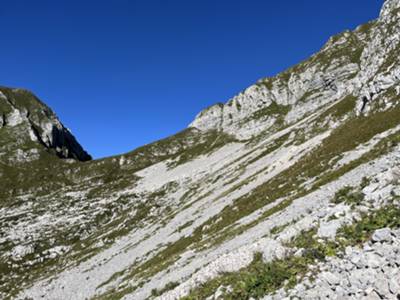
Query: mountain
pixel 289 189
pixel 29 125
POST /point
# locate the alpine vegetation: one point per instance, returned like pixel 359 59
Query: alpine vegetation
pixel 291 189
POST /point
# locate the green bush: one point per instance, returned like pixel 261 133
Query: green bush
pixel 361 231
pixel 365 181
pixel 314 249
pixel 348 196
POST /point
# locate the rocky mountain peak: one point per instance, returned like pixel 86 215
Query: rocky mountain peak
pixel 389 9
pixel 28 126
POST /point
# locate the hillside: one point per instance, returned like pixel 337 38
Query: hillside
pixel 290 188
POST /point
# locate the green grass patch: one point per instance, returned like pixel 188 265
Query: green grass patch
pixel 359 232
pixel 256 280
pixel 349 196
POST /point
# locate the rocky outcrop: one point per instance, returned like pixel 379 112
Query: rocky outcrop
pixel 359 63
pixel 22 114
pixel 389 10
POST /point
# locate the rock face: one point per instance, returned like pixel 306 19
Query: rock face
pixel 360 63
pixel 294 179
pixel 25 116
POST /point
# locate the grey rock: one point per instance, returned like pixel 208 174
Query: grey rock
pixel 396 233
pixel 373 260
pixel 299 252
pixel 373 296
pixel 340 292
pixel 300 288
pixel 385 250
pixel 312 294
pixel 329 229
pixel 367 248
pixel 394 286
pixel 348 250
pixel 330 278
pixel 382 287
pixel 382 235
pixel 357 280
pixel 344 282
pixel 358 260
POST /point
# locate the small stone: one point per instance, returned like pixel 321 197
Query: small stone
pixel 340 291
pixel 331 278
pixel 348 266
pixel 396 233
pixel 280 252
pixel 373 296
pixel 382 287
pixel 355 258
pixel 357 280
pixel 373 260
pixel 300 288
pixel 299 252
pixel 344 283
pixel 386 270
pixel 394 286
pixel 348 250
pixel 367 248
pixel 358 260
pixel 312 294
pixel 369 290
pixel 382 235
pixel 385 250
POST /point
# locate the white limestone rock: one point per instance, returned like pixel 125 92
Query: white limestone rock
pixel 382 235
pixel 15 118
pixel 19 252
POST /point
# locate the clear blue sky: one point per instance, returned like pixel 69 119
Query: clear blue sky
pixel 123 73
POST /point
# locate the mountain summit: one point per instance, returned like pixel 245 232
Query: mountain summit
pixel 291 189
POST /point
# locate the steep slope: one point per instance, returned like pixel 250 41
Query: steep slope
pixel 28 126
pixel 284 183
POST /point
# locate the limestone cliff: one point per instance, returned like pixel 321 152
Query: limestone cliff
pixel 27 125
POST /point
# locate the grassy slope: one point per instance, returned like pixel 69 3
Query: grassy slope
pixel 51 179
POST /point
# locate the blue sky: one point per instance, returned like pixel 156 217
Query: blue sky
pixel 122 73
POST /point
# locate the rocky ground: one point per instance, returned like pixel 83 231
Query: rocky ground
pixel 372 271
pixel 369 271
